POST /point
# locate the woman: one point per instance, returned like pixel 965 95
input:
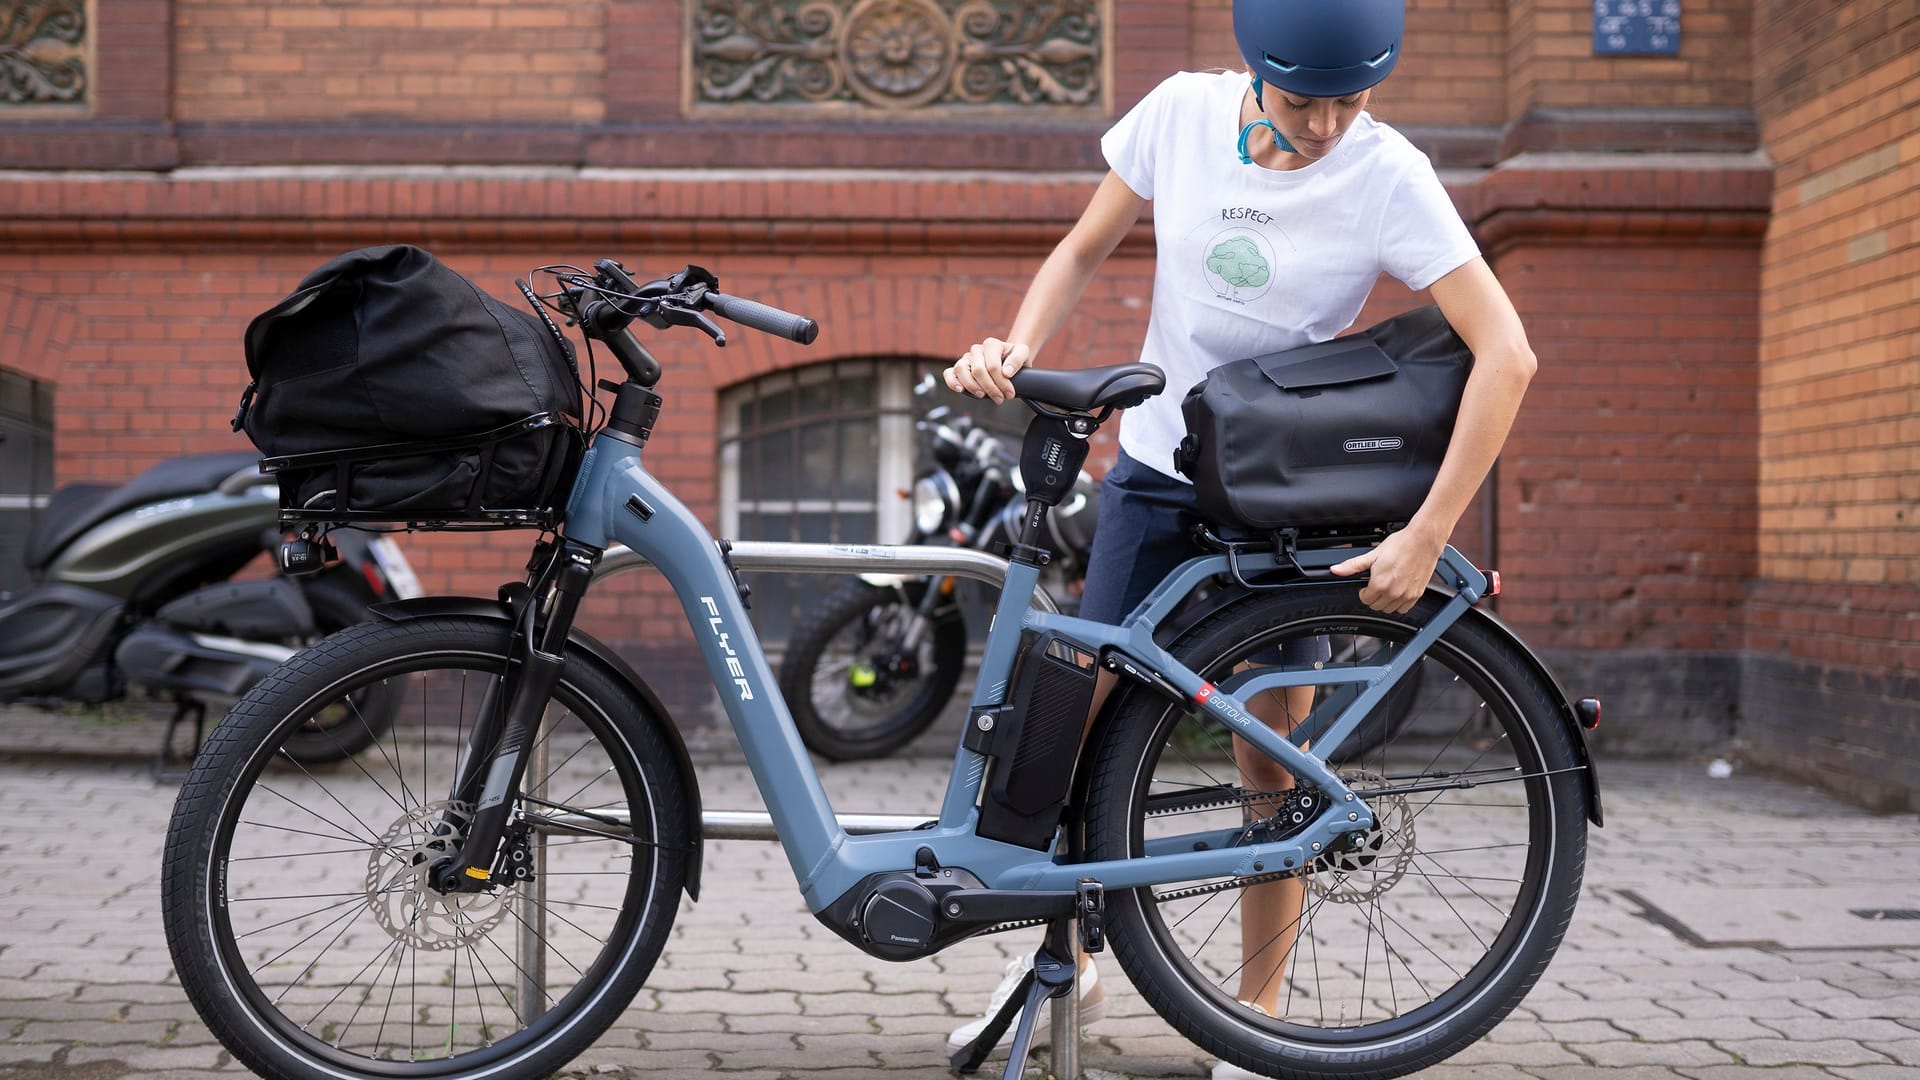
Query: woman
pixel 1267 241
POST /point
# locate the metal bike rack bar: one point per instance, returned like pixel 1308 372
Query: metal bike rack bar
pixel 732 824
pixel 775 557
pixel 767 556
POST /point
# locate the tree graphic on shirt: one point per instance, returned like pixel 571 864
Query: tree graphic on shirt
pixel 1239 263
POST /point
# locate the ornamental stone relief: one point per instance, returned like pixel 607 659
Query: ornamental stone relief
pixel 43 56
pixel 952 57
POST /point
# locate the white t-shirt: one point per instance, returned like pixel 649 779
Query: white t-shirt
pixel 1252 260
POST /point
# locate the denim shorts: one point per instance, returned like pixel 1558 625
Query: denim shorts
pixel 1145 531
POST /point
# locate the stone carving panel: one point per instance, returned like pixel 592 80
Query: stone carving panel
pixel 43 53
pixel 942 57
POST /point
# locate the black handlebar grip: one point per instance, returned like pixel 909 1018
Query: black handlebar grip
pixel 767 320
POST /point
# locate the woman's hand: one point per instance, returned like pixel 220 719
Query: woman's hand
pixel 1400 568
pixel 987 369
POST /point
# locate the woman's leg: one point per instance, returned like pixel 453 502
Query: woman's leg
pixel 1270 913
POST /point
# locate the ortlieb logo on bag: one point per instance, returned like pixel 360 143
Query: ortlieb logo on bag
pixel 1294 439
pixel 1356 446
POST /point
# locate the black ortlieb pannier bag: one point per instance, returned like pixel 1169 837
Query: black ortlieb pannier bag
pixel 389 387
pixel 1348 432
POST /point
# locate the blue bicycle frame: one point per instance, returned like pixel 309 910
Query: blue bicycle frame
pixel 615 499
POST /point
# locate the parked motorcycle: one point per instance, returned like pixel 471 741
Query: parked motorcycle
pixel 132 595
pixel 875 663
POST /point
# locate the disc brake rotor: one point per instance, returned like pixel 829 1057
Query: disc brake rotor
pixel 1383 855
pixel 400 895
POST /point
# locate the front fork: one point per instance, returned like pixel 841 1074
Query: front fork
pixel 937 594
pixel 495 760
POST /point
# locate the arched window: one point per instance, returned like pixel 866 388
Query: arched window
pixel 816 454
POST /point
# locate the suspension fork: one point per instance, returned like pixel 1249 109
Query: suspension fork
pixel 935 596
pixel 495 765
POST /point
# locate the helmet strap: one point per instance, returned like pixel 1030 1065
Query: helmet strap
pixel 1247 131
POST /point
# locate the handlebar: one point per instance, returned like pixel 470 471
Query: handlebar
pixel 605 303
pixel 763 317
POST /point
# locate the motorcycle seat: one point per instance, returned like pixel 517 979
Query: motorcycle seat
pixel 1120 386
pixel 78 507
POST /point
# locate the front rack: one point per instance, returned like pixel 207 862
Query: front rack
pixel 535 502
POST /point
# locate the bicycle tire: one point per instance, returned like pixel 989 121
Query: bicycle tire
pixel 825 707
pixel 236 842
pixel 1405 881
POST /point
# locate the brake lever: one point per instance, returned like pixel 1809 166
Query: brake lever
pixel 679 311
pixel 708 327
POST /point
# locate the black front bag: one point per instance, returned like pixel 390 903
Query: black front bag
pixel 1348 432
pixel 387 369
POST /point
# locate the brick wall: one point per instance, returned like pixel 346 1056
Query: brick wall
pixel 1626 494
pixel 1834 624
pixel 319 60
pixel 1705 513
pixel 1551 63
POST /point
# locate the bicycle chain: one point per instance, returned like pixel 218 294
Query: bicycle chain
pixel 1299 806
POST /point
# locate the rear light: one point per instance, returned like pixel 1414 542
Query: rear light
pixel 1493 583
pixel 1588 710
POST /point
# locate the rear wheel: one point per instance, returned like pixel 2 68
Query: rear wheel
pixel 857 688
pixel 1378 960
pixel 298 906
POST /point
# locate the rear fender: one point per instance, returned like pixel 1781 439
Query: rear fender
pixel 479 607
pixel 1561 699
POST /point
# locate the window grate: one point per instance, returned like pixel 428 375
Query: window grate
pixel 1880 914
pixel 815 454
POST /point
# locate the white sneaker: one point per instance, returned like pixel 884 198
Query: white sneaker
pixel 1093 1005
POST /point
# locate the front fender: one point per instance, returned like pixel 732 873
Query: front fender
pixel 480 607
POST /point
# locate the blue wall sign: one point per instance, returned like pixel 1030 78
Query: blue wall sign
pixel 1636 27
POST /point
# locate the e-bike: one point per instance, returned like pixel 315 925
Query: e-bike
pixel 482 891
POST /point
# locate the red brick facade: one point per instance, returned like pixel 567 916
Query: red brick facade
pixel 1706 510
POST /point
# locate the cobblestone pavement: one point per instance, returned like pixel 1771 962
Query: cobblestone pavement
pixel 1686 958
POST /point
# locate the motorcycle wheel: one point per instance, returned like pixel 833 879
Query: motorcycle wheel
pixel 339 599
pixel 854 692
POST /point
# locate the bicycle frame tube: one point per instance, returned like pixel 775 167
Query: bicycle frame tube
pixel 617 500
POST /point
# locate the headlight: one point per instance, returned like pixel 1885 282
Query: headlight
pixel 934 496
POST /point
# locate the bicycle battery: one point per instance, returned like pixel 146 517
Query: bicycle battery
pixel 1033 740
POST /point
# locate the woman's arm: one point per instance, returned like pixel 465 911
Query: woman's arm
pixel 987 368
pixel 1503 363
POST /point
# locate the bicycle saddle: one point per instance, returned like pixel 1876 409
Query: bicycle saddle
pixel 1120 386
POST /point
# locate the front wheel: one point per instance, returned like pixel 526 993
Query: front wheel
pixel 1398 950
pixel 298 905
pixel 867 672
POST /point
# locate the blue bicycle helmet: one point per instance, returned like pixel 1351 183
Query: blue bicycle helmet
pixel 1319 48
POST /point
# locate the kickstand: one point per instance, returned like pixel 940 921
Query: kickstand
pixel 161 773
pixel 1055 967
